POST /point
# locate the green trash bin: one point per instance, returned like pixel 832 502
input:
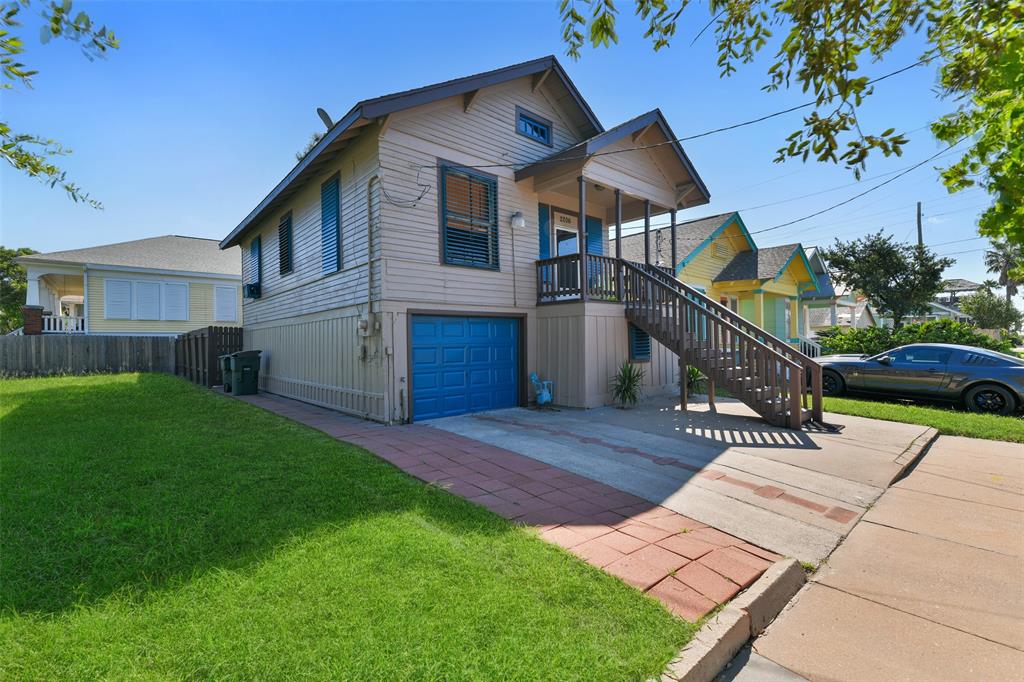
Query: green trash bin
pixel 245 372
pixel 225 371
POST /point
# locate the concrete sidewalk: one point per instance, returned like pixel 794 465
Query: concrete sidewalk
pixel 930 584
pixel 796 493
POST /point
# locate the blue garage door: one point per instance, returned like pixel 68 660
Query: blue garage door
pixel 463 364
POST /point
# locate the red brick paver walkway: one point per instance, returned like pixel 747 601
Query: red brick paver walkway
pixel 686 564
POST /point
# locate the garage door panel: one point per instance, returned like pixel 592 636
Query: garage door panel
pixel 453 355
pixel 463 364
pixel 480 355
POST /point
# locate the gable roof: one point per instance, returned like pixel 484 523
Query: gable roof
pixel 368 110
pixel 958 285
pixel 691 237
pixel 170 252
pixel 601 140
pixel 763 263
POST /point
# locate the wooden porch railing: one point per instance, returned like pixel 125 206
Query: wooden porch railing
pixel 558 279
pixel 763 371
pixel 63 324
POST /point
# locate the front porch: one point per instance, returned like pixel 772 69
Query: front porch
pixel 60 291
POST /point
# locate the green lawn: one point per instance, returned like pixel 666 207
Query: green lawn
pixel 151 529
pixel 947 420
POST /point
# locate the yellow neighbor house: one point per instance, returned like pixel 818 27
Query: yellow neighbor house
pixel 717 256
pixel 160 286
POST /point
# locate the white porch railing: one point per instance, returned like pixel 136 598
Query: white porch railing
pixel 62 324
pixel 810 347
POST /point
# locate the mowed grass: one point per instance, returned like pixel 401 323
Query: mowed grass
pixel 151 529
pixel 946 420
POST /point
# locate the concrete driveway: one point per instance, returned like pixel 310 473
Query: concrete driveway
pixel 929 586
pixel 796 493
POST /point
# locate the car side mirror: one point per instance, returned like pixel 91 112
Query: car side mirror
pixel 885 360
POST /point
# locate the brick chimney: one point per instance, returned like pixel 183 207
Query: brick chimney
pixel 33 318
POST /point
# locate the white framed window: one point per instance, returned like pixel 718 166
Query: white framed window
pixel 117 299
pixel 174 305
pixel 225 304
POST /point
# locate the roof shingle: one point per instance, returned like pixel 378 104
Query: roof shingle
pixel 689 235
pixel 764 263
pixel 170 252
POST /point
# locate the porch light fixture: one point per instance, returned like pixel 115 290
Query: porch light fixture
pixel 518 220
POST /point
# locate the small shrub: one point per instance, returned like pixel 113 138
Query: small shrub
pixel 628 384
pixel 696 382
pixel 874 340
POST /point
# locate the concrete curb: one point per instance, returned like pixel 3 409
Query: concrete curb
pixel 746 616
pixel 914 451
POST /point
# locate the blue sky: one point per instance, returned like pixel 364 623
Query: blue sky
pixel 200 112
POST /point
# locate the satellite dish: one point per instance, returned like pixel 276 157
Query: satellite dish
pixel 325 118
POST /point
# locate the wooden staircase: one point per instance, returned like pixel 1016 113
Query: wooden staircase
pixel 766 373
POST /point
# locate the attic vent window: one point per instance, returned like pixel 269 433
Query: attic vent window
pixel 533 127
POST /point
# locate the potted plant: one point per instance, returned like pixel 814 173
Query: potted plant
pixel 627 384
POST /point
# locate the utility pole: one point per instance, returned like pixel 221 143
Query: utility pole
pixel 920 233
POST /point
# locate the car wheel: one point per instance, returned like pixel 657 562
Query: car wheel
pixel 990 399
pixel 832 383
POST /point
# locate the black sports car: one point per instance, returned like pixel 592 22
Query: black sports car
pixel 982 380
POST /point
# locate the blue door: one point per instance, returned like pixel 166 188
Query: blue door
pixel 463 364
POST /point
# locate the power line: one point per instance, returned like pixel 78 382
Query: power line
pixel 695 136
pixel 861 194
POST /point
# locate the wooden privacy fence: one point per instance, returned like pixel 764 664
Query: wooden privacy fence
pixel 43 355
pixel 196 353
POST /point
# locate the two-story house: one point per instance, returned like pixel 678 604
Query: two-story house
pixel 441 244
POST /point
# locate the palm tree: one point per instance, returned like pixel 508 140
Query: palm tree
pixel 1006 260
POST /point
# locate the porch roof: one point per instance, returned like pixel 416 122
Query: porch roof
pixel 578 154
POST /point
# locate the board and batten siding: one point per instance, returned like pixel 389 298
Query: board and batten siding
pixel 322 359
pixel 582 346
pixel 200 304
pixel 411 147
pixel 307 288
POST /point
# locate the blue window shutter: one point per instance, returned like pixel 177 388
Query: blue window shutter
pixel 639 345
pixel 469 218
pixel 256 261
pixel 330 228
pixel 595 236
pixel 544 220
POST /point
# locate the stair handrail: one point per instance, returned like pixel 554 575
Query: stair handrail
pixel 729 314
pixel 758 343
pixel 812 366
pixel 785 354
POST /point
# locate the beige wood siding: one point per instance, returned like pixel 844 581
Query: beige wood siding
pixel 410 149
pixel 200 305
pixel 307 289
pixel 322 359
pixel 581 348
pixel 635 173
